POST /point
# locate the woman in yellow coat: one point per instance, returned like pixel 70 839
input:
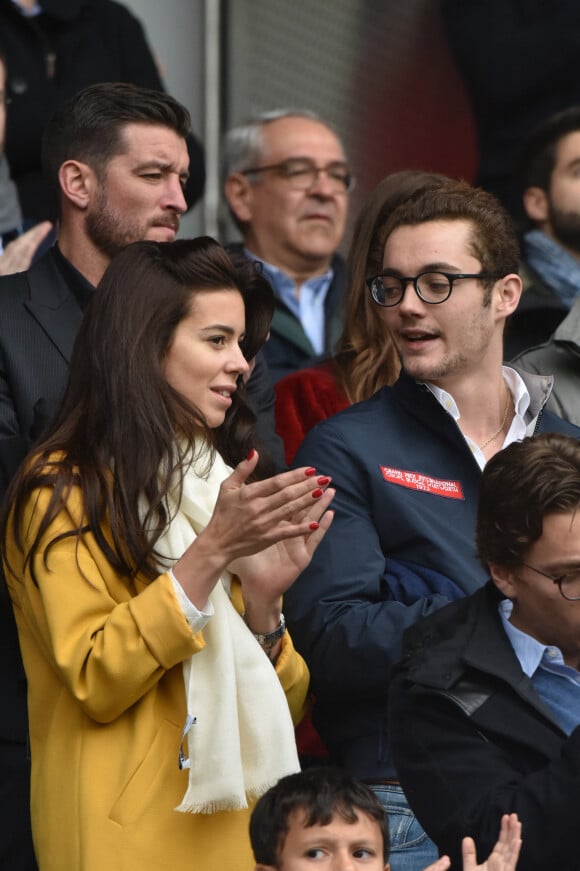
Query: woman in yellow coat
pixel 147 576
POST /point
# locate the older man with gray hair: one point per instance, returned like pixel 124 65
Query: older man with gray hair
pixel 286 181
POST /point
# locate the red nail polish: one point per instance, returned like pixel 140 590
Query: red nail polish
pixel 323 480
pixel 316 494
pixel 251 454
pixel 314 526
pixel 309 472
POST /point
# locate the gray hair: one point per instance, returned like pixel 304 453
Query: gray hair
pixel 243 146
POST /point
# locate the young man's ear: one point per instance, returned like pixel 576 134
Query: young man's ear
pixel 509 291
pixel 77 182
pixel 260 867
pixel 504 579
pixel 535 202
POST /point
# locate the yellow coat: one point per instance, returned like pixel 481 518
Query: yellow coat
pixel 107 705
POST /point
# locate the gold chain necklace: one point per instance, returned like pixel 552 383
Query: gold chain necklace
pixel 503 420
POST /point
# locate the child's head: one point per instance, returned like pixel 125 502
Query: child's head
pixel 315 812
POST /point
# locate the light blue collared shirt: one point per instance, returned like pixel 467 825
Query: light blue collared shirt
pixel 308 305
pixel 557 684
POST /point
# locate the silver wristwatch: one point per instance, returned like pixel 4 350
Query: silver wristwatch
pixel 267 640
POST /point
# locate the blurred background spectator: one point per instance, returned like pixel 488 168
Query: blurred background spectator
pixel 17 248
pixel 53 49
pixel 521 63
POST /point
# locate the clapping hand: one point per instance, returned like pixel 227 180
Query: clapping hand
pixel 503 857
pixel 265 532
pixel 18 254
pixel 297 520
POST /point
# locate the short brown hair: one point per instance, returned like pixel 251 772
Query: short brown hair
pixel 365 357
pixel 89 127
pixel 540 152
pixel 493 239
pixel 519 487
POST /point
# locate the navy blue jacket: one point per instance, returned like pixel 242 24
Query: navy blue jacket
pixel 401 546
pixel 473 740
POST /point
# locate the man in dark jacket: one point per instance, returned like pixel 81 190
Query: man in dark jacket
pixel 485 708
pixel 550 188
pixel 286 182
pixel 407 466
pixel 54 49
pixel 560 357
pixel 17 247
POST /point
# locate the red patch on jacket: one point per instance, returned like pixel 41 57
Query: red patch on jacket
pixel 415 481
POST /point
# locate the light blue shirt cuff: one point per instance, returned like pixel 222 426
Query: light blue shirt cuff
pixel 196 618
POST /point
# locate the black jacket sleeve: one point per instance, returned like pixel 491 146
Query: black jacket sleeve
pixel 459 781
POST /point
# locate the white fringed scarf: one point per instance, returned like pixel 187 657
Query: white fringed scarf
pixel 242 738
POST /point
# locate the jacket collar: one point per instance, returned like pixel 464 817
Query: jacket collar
pixel 539 388
pixel 442 650
pixel 53 304
pixel 568 333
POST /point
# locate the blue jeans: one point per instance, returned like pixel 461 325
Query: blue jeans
pixel 411 849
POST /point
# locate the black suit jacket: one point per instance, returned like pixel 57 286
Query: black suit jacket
pixel 39 319
pixel 472 739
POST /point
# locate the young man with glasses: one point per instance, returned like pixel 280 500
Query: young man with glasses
pixel 485 708
pixel 407 467
pixel 286 182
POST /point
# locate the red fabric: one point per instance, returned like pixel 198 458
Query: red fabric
pixel 303 399
pixel 308 742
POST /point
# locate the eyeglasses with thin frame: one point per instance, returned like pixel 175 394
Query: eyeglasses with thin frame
pixel 432 287
pixel 302 174
pixel 567 581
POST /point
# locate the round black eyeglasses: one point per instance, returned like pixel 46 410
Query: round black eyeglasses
pixel 432 287
pixel 568 583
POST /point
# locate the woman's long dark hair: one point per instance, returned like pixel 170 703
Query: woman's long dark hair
pixel 122 432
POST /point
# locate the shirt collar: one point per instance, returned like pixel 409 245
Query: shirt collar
pixel 79 285
pixel 278 278
pixel 515 385
pixel 521 400
pixel 528 650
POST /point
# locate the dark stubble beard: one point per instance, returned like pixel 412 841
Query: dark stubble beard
pixel 566 228
pixel 107 230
